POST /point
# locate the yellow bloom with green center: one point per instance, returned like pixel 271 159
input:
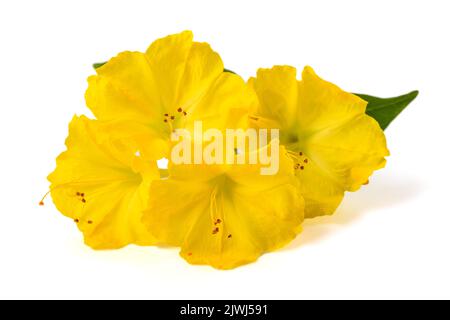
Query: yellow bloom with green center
pixel 174 83
pixel 334 144
pixel 225 215
pixel 102 185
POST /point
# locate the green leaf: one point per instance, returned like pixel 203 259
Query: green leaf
pixel 227 70
pixel 384 110
pixel 98 64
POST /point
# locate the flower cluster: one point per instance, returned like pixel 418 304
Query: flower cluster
pixel 224 215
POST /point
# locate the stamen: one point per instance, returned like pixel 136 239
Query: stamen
pixel 83 200
pixel 229 236
pixel 215 230
pixel 184 113
pixel 89 222
pixel 179 109
pixel 168 120
pixel 189 254
pixel 300 153
pixel 302 167
pixel 41 203
pixel 74 183
pixel 76 220
pixel 213 210
pixel 305 161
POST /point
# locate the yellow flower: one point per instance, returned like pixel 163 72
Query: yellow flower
pixel 175 82
pixel 225 215
pixel 334 144
pixel 102 185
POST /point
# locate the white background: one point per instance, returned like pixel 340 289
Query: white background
pixel 390 240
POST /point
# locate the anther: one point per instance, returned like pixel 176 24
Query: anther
pixel 41 203
pixel 184 112
pixel 215 230
pixel 217 221
pixel 166 114
pixel 179 109
pixel 300 153
pixel 229 236
pixel 172 117
pixel 78 194
pixel 305 161
pixel 302 167
pixel 76 220
pixel 83 200
pixel 82 194
pixel 165 120
pixel 89 222
pixel 189 254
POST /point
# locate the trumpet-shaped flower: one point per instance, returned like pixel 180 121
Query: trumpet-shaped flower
pixel 225 215
pixel 175 82
pixel 102 185
pixel 334 144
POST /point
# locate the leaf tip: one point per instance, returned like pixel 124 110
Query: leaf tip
pixel 228 70
pixel 413 94
pixel 98 64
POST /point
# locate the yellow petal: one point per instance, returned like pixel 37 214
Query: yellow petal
pixel 170 86
pixel 277 90
pixel 202 67
pixel 97 185
pixel 334 144
pixel 167 58
pixel 322 104
pixel 351 152
pixel 229 219
pixel 343 146
pixel 133 135
pixel 143 87
pixel 339 159
pixel 322 193
pixel 225 105
pixel 125 89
